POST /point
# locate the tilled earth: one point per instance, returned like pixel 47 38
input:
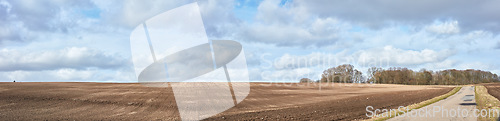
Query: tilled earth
pixel 127 101
pixel 493 89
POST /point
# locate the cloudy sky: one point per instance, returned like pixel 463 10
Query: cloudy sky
pixel 88 40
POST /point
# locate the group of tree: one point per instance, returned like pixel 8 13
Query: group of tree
pixel 347 74
pixel 426 77
pixel 306 80
pixel 342 74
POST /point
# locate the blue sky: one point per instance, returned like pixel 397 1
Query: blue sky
pixel 88 40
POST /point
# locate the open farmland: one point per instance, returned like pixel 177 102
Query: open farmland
pixel 125 101
pixel 493 89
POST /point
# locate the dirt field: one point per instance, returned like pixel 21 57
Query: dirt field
pixel 493 89
pixel 104 101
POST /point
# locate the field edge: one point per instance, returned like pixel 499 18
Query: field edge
pixel 486 101
pixel 415 106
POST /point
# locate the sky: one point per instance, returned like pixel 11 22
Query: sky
pixel 89 40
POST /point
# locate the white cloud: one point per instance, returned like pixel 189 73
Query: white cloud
pixel 46 15
pixel 130 13
pixel 319 32
pixel 380 13
pixel 72 74
pixel 497 46
pixel 312 60
pixel 399 57
pixel 449 27
pixel 65 74
pixel 446 64
pixel 477 65
pixel 72 57
pixel 387 56
pixel 290 66
pixel 285 25
pixel 287 75
pixel 38 38
pixel 270 12
pixel 218 17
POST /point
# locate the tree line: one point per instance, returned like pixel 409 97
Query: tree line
pixel 397 75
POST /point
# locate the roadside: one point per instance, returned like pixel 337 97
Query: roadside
pixel 486 101
pixel 460 106
pixel 408 109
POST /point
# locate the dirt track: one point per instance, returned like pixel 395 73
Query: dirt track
pixel 104 101
pixel 463 100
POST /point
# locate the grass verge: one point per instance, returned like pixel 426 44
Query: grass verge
pixel 386 115
pixel 487 102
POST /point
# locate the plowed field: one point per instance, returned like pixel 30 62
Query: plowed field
pixel 129 101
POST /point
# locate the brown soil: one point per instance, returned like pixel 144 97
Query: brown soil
pixel 493 89
pixel 106 101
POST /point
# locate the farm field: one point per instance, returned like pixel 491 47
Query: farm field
pixel 493 89
pixel 131 101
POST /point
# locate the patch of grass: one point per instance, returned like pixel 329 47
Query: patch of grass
pixel 487 102
pixel 415 106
